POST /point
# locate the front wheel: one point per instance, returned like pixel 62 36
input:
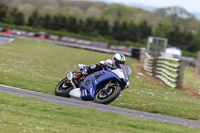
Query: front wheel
pixel 63 88
pixel 108 95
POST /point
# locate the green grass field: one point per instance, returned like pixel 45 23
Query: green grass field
pixel 190 78
pixel 21 114
pixel 38 66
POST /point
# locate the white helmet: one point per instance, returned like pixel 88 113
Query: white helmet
pixel 118 58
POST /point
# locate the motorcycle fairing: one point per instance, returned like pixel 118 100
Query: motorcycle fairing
pixel 91 82
pixel 82 66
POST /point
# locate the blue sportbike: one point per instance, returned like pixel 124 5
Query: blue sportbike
pixel 101 87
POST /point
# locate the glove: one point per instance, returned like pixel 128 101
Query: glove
pixel 102 63
pixel 84 72
pixel 109 63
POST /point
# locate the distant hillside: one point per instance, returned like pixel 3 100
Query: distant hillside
pixel 111 12
pixel 143 6
pixel 84 9
pixel 197 15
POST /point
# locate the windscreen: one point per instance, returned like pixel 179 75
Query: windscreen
pixel 127 70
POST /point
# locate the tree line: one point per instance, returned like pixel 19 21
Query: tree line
pixel 184 39
pixel 120 31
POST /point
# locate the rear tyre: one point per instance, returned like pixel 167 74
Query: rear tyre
pixel 107 96
pixel 63 88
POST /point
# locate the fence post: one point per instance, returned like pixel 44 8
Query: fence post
pixel 181 73
pixel 142 54
pixel 198 63
pixel 154 66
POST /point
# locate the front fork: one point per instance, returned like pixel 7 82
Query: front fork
pixel 107 85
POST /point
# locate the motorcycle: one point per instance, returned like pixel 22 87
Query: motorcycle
pixel 101 87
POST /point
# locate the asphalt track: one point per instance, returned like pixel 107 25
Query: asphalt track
pixel 99 107
pixel 4 40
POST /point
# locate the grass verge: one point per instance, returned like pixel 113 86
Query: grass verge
pixel 192 78
pixel 38 66
pixel 21 114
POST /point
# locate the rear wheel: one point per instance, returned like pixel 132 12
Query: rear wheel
pixel 106 96
pixel 63 88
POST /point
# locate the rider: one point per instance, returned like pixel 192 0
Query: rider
pixel 117 59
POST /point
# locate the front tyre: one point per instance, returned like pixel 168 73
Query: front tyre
pixel 107 96
pixel 63 88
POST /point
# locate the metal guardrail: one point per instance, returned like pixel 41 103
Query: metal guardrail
pixel 67 44
pixel 169 70
pixel 148 64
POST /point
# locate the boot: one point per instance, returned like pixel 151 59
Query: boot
pixel 75 93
